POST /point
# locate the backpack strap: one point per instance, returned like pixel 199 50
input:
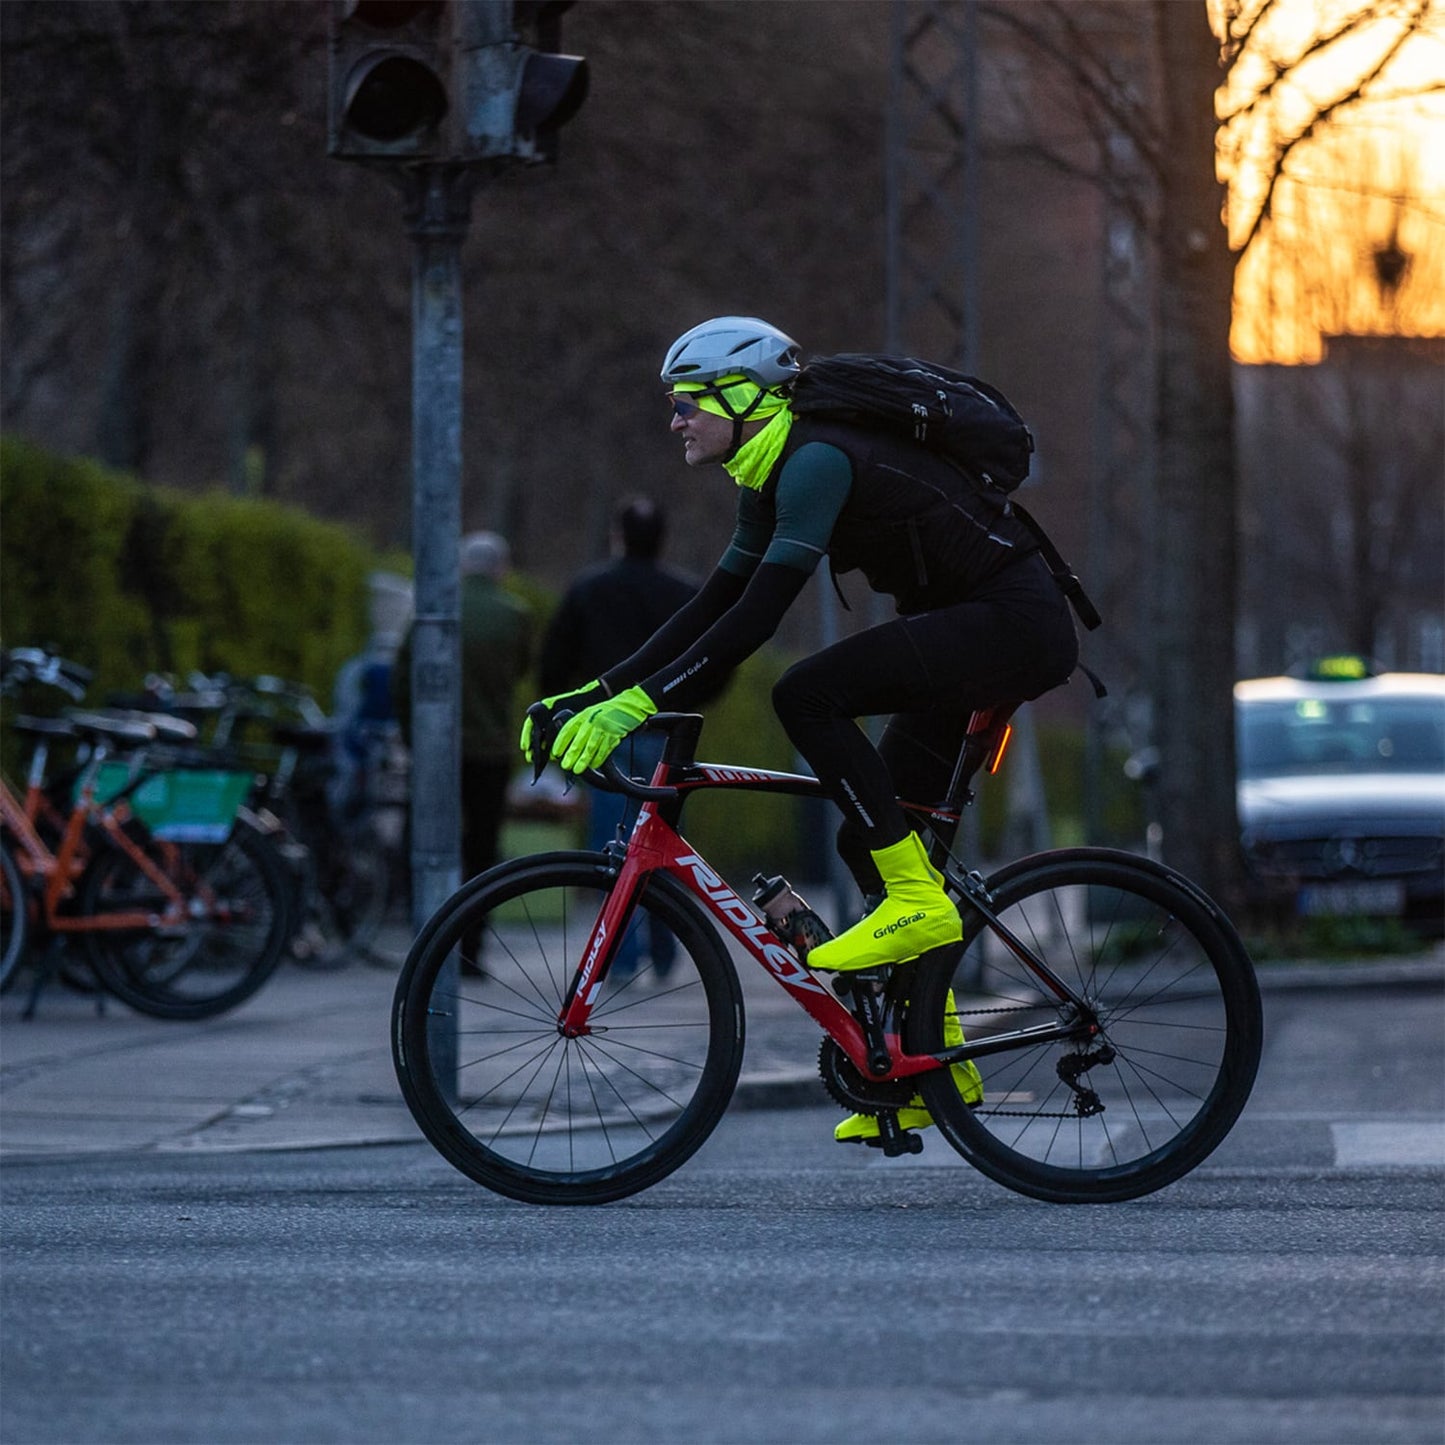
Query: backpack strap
pixel 1064 575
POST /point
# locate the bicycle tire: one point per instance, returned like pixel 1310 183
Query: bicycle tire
pixel 14 915
pixel 221 955
pixel 1177 1001
pixel 345 906
pixel 539 1117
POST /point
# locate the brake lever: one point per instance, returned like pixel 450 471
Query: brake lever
pixel 545 727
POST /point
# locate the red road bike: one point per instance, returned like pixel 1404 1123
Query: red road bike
pixel 1107 1002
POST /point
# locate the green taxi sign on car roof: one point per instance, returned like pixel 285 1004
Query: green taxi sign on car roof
pixel 1342 667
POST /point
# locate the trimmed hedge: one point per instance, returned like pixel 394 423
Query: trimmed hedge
pixel 128 578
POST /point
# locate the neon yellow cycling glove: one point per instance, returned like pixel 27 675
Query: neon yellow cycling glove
pixel 573 702
pixel 588 738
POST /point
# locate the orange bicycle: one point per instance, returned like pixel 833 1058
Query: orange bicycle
pixel 180 921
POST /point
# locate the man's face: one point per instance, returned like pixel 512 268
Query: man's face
pixel 706 437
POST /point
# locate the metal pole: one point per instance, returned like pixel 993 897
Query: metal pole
pixel 438 208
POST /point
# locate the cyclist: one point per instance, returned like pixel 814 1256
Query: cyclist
pixel 981 621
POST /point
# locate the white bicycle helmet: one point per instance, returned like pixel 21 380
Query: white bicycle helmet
pixel 733 346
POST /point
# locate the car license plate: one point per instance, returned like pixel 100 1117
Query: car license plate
pixel 1378 897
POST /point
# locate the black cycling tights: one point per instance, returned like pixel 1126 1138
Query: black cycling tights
pixel 1012 642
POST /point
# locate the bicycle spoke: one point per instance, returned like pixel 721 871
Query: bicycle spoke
pixel 1172 1019
pixel 545 1114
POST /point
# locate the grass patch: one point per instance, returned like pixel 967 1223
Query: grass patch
pixel 1339 939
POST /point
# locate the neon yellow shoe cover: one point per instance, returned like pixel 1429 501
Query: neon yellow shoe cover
pixel 915 916
pixel 966 1077
pixel 858 1127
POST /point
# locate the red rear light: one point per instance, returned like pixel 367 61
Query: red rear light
pixel 995 758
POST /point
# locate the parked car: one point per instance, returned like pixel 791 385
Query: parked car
pixel 1342 790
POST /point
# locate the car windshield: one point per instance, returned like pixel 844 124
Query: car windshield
pixel 1326 735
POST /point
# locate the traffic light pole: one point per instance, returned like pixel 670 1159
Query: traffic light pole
pixel 437 94
pixel 438 209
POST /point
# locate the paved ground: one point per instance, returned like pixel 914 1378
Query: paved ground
pixel 307 1063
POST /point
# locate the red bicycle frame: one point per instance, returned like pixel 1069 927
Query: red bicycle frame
pixel 655 846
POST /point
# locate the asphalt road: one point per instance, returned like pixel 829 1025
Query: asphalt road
pixel 777 1288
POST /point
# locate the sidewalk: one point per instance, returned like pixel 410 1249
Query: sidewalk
pixel 307 1063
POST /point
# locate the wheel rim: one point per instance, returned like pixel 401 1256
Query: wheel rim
pixel 503 1093
pixel 1150 1089
pixel 210 955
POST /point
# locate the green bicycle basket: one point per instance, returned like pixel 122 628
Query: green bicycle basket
pixel 189 805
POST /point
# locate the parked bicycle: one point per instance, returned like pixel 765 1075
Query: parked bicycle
pixel 337 851
pixel 1107 1002
pixel 155 867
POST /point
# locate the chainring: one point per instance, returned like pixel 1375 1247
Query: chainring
pixel 850 1088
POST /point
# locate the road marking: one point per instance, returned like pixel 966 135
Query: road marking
pixel 1419 1144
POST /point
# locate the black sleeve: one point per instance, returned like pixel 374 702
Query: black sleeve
pixel 736 635
pixel 680 631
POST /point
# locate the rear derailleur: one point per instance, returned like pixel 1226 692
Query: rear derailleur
pixel 1087 1103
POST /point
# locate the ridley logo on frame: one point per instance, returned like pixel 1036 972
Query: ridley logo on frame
pixel 780 962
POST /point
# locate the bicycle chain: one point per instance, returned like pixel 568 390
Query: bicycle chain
pixel 1013 1008
pixel 1020 1113
pixel 846 1086
pixel 979 1111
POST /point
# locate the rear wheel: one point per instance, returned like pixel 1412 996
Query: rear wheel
pixel 493 1082
pixel 216 957
pixel 14 919
pixel 1142 1101
pixel 345 903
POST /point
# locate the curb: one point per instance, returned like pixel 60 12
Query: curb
pixel 1408 973
pixel 779 1089
pixel 802 1089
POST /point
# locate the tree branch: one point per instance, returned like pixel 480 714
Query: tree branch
pixel 1284 149
pixel 1316 46
pixel 1081 63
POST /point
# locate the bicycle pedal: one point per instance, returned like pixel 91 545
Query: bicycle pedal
pixel 906 1142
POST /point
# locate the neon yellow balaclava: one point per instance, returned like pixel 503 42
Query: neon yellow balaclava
pixel 750 464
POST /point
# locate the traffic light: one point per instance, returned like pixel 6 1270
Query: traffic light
pixel 517 89
pixel 450 80
pixel 553 85
pixel 390 79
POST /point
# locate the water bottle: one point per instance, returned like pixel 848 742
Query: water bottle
pixel 789 916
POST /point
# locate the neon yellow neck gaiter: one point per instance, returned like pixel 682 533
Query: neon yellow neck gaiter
pixel 755 458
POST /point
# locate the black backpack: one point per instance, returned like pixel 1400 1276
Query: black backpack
pixel 963 419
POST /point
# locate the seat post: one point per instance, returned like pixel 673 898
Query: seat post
pixel 980 737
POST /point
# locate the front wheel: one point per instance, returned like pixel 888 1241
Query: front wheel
pixel 510 1101
pixel 1122 1111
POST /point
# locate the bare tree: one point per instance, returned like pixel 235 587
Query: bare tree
pixel 1237 72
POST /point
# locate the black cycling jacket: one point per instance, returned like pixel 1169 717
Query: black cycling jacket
pixel 916 527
